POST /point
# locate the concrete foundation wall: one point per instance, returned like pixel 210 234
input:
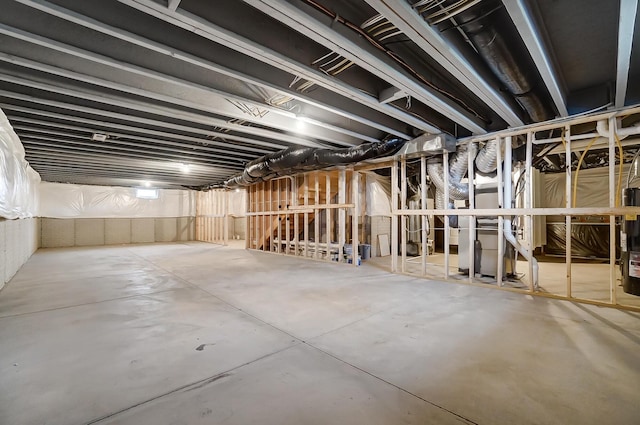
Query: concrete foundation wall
pixel 18 240
pixel 64 232
pixel 237 227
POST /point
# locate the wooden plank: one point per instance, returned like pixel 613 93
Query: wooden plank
pixel 356 215
pixel 316 213
pixel 567 204
pixel 394 216
pixel 445 162
pixel 328 213
pixel 424 218
pixel 403 217
pixel 383 245
pixel 342 213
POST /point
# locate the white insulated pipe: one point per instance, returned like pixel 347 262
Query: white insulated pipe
pixel 602 127
pixel 508 200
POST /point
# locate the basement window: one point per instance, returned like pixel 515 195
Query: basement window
pixel 147 193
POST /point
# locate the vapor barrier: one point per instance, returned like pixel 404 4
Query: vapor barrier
pixel 592 191
pixel 238 203
pixel 59 200
pixel 378 195
pixel 18 181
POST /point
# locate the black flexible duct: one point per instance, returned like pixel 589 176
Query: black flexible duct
pixel 505 55
pixel 298 159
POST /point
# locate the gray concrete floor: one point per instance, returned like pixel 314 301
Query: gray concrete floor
pixel 200 334
pixel 590 280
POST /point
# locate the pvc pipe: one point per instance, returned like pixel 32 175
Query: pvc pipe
pixel 508 200
pixel 602 127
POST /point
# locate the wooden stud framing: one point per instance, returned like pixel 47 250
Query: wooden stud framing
pixel 528 193
pixel 403 218
pixel 568 204
pixel 612 204
pixel 394 217
pixel 501 250
pixel 356 215
pixel 445 161
pixel 472 220
pixel 424 218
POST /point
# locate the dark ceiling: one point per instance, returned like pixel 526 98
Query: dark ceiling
pixel 184 93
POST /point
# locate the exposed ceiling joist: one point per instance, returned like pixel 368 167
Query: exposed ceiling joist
pixel 199 149
pixel 203 28
pixel 66 145
pixel 108 126
pixel 216 102
pixel 404 17
pixel 323 34
pixel 103 161
pixel 626 26
pixel 112 145
pixel 521 17
pixel 140 106
pixel 174 53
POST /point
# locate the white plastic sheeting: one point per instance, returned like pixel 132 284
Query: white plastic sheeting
pixel 18 181
pixel 59 200
pixel 378 195
pixel 238 203
pixel 593 188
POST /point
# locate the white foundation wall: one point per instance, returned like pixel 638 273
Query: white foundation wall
pixel 79 215
pixel 68 232
pixel 18 204
pixel 18 241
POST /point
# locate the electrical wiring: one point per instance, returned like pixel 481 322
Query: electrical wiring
pixel 575 179
pixel 619 184
pixel 394 56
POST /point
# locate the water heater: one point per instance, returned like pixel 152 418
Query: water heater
pixel 631 244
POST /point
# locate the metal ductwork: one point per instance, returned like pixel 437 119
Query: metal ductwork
pixel 487 25
pixel 487 159
pixel 297 159
pixel 457 169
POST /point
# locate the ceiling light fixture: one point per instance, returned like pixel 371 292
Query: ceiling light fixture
pixel 99 137
pixel 186 168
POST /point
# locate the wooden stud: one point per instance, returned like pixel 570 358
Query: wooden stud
pixel 499 274
pixel 356 213
pixel 403 218
pixel 612 204
pixel 567 204
pixel 394 216
pixel 447 230
pixel 423 218
pixel 528 191
pixel 472 220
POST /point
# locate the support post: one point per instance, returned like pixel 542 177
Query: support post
pixel 500 271
pixel 447 230
pixel 472 220
pixel 342 213
pixel 612 204
pixel 394 216
pixel 356 215
pixel 568 203
pixel 403 218
pixel 424 219
pixel 528 204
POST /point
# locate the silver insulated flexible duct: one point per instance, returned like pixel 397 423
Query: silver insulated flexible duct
pixel 487 159
pixel 457 170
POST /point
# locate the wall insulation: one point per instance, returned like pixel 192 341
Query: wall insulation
pixel 79 215
pixel 18 204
